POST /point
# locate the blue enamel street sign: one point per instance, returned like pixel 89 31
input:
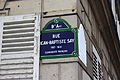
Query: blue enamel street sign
pixel 57 43
pixel 58 40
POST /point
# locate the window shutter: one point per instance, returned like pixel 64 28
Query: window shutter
pixel 19 56
pixel 97 70
pixel 95 66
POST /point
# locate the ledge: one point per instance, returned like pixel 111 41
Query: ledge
pixel 60 60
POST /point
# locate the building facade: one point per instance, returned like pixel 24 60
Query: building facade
pixel 98 39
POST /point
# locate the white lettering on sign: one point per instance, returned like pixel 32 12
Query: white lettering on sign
pixel 59 46
pixel 56 26
pixel 52 26
pixel 53 47
pixel 70 40
pixel 56 51
pixel 62 51
pixel 62 41
pixel 56 36
pixel 48 52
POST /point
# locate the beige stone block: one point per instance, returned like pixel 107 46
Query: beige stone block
pixel 69 71
pixel 80 72
pixel 105 77
pixel 2 3
pixel 85 76
pixel 90 13
pixel 4 13
pixel 85 5
pixel 60 60
pixel 80 10
pixel 87 26
pixel 105 61
pixel 46 20
pixel 55 7
pixel 24 7
pixel 87 42
pixel 90 49
pixel 93 26
pixel 89 65
pixel 49 72
pixel 71 19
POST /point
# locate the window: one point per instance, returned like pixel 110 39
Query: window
pixel 97 70
pixel 82 44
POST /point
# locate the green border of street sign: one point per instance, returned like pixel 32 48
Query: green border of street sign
pixel 75 52
pixel 57 19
